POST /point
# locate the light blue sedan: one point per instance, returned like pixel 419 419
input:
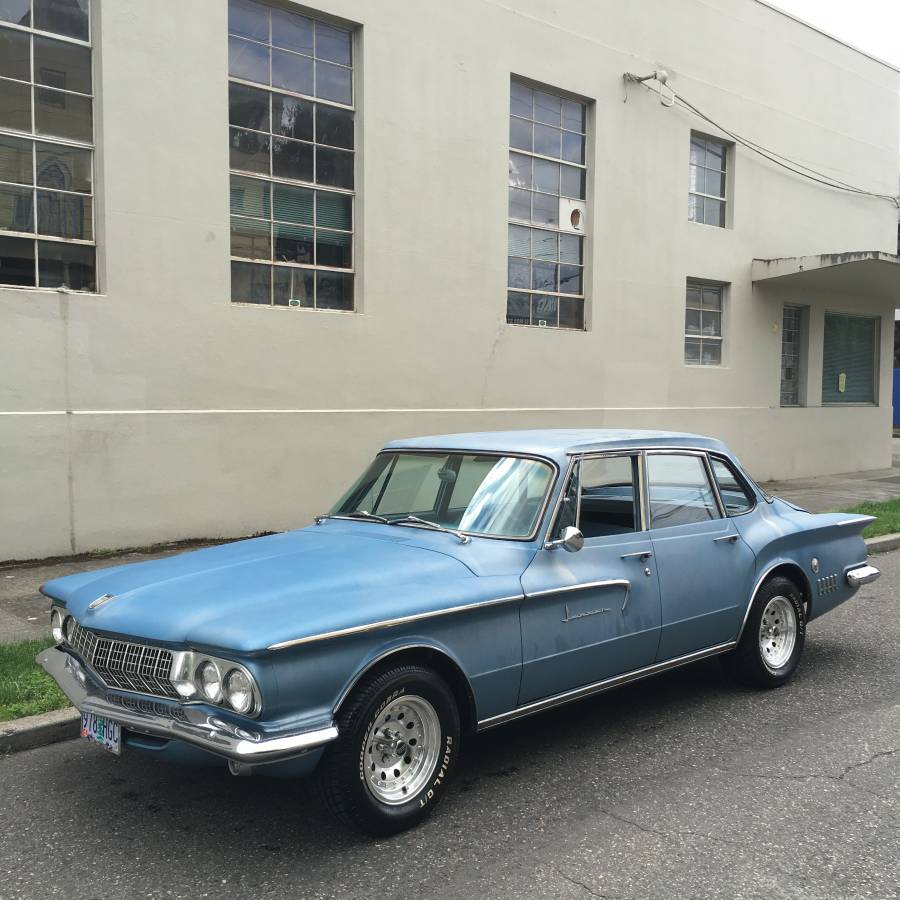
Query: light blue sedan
pixel 461 582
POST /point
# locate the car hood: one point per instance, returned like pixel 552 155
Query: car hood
pixel 248 595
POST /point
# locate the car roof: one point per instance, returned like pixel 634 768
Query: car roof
pixel 557 443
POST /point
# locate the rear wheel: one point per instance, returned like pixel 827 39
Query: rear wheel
pixel 399 739
pixel 770 647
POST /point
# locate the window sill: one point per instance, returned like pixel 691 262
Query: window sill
pixel 725 227
pixel 294 309
pixel 548 328
pixel 48 291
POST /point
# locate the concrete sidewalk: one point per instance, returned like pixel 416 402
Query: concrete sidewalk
pixel 832 492
pixel 24 613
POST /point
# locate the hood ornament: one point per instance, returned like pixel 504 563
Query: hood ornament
pixel 100 601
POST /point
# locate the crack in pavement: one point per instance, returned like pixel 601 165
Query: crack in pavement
pixel 581 884
pixel 668 835
pixel 852 767
pixel 782 776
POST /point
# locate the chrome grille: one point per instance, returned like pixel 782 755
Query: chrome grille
pixel 123 665
pixel 827 584
pixel 151 707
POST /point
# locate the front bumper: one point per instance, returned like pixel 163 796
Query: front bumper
pixel 862 575
pixel 176 721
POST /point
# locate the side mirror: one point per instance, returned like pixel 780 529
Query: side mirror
pixel 572 540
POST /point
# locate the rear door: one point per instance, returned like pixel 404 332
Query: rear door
pixel 595 613
pixel 703 563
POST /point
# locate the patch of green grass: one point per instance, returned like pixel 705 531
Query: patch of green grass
pixel 888 514
pixel 25 688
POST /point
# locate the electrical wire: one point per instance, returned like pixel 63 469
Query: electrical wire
pixel 785 162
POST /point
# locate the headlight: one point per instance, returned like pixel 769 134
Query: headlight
pixel 67 626
pixel 209 681
pixel 56 625
pixel 239 691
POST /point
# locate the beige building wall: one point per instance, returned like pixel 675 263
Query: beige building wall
pixel 159 410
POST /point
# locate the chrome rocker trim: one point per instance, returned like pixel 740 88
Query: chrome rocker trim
pixel 864 574
pixel 598 687
pixel 193 725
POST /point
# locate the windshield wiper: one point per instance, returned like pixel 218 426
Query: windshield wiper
pixel 356 514
pixel 424 523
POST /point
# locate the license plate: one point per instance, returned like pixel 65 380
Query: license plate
pixel 102 731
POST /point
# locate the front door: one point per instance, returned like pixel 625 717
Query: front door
pixel 703 563
pixel 595 613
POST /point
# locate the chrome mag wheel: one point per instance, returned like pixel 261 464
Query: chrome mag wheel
pixel 401 749
pixel 777 632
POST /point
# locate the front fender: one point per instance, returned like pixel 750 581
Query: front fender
pixel 483 643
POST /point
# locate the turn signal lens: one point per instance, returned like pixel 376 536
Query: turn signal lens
pixel 238 691
pixel 209 681
pixel 56 625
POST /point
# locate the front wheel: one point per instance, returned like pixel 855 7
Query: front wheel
pixel 769 649
pixel 398 744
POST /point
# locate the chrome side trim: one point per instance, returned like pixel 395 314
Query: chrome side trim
pixel 863 574
pixel 391 623
pixel 859 520
pixel 599 687
pixel 613 582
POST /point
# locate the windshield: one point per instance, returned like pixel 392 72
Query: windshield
pixel 500 496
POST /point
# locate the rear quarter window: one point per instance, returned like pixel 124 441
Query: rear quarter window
pixel 734 495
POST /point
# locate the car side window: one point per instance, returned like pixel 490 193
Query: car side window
pixel 607 496
pixel 680 492
pixel 734 495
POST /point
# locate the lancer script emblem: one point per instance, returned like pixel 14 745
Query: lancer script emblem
pixel 100 601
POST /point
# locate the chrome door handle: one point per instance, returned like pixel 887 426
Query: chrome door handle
pixel 732 538
pixel 640 554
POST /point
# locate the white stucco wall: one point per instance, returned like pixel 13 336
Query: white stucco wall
pixel 159 410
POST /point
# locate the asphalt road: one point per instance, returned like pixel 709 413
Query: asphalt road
pixel 682 786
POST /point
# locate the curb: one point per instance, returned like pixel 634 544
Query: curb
pixel 38 731
pixel 883 544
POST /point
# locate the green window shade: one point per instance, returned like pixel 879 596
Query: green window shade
pixel 333 210
pixel 293 204
pixel 848 367
pixel 250 197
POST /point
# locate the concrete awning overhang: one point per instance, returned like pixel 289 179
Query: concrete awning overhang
pixel 867 273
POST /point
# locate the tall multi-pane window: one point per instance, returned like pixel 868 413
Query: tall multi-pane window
pixel 791 338
pixel 546 209
pixel 291 142
pixel 706 199
pixel 703 324
pixel 46 145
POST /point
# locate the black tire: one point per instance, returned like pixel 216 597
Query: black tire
pixel 747 663
pixel 343 771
